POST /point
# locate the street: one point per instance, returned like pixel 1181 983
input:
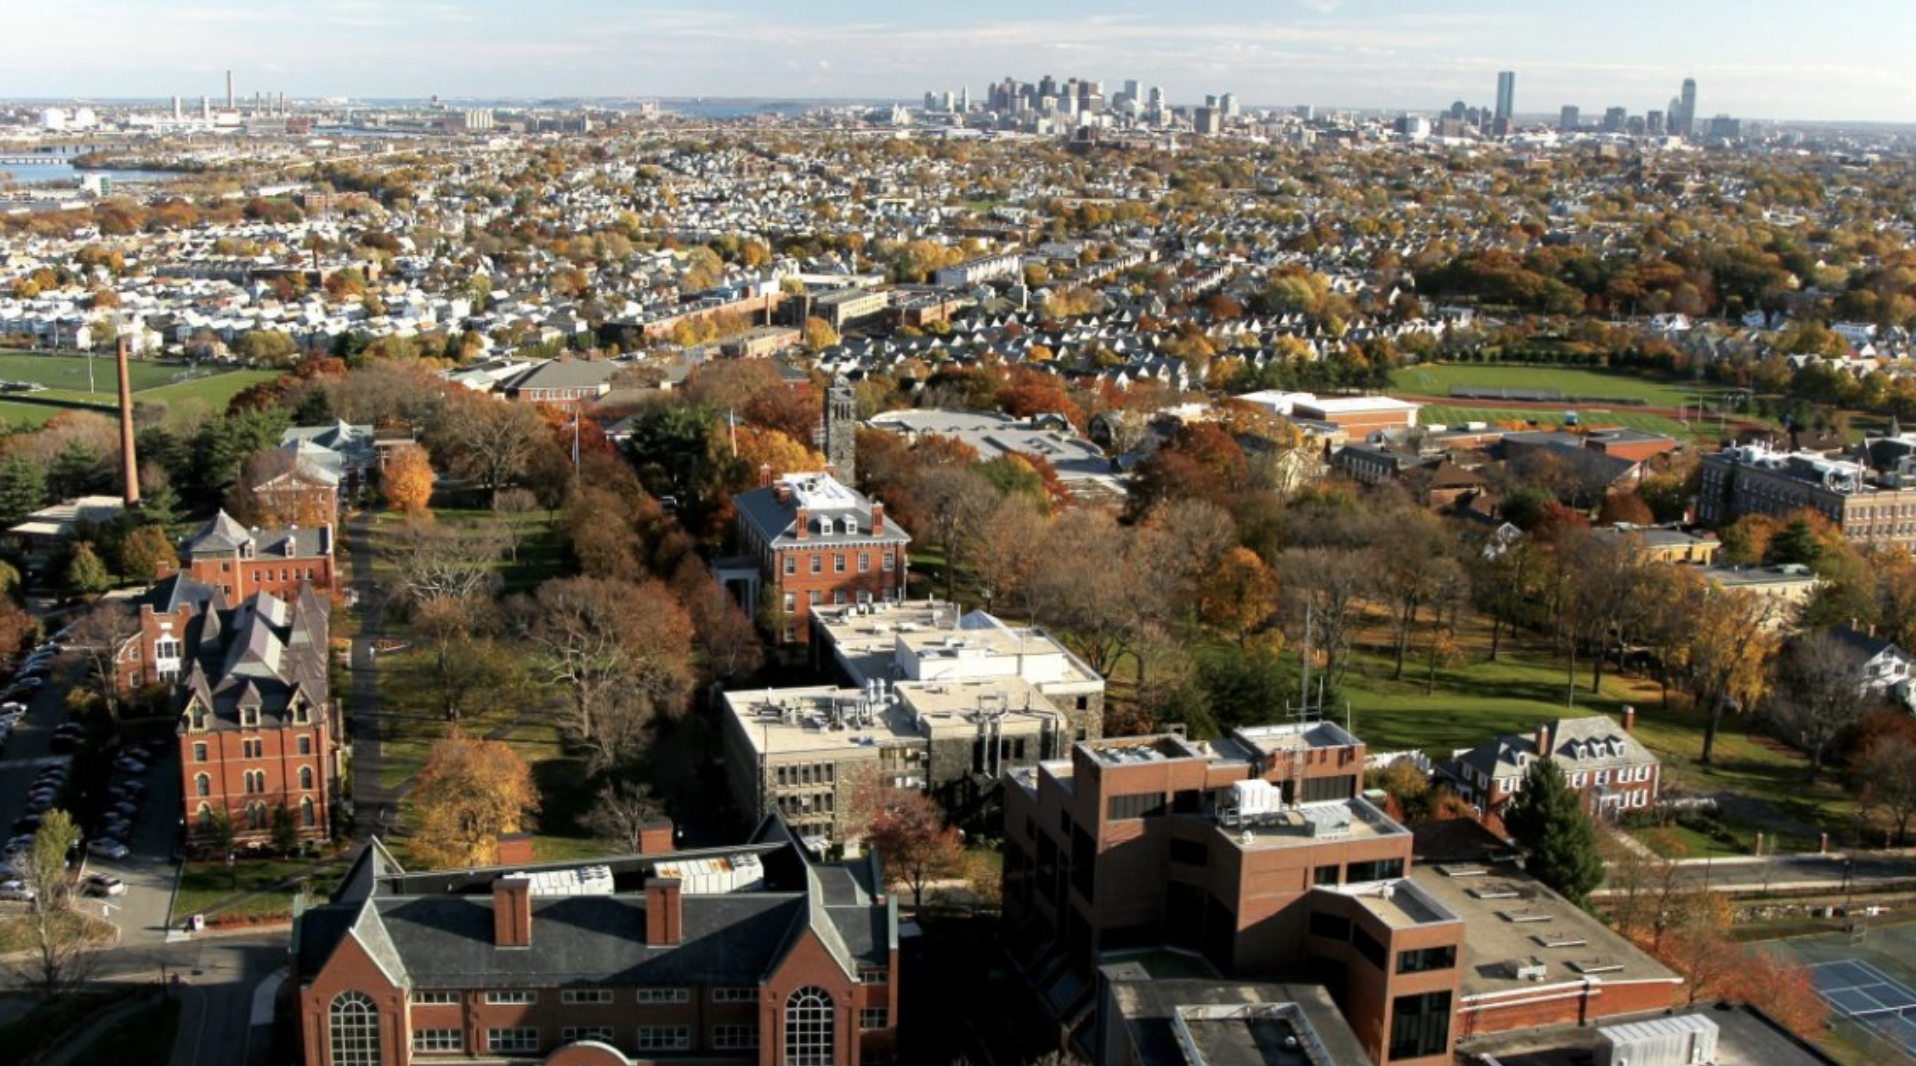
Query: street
pixel 1831 874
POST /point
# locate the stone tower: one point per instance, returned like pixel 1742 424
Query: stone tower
pixel 841 431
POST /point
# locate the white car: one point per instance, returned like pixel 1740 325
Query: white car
pixel 16 891
pixel 108 848
pixel 103 885
pixel 14 710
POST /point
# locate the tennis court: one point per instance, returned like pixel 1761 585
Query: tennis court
pixel 1869 997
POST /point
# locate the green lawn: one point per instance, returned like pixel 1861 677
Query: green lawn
pixel 26 414
pixel 1443 414
pixel 134 1038
pixel 205 886
pixel 1437 379
pixel 216 390
pixel 68 371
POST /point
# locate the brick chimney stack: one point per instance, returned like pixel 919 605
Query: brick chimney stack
pixel 764 475
pixel 1629 719
pixel 801 524
pixel 129 462
pixel 664 912
pixel 1543 740
pixel 878 516
pixel 512 911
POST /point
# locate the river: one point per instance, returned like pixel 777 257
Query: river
pixel 54 173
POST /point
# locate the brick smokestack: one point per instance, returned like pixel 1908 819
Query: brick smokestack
pixel 878 517
pixel 1629 719
pixel 1543 740
pixel 128 460
pixel 664 912
pixel 512 912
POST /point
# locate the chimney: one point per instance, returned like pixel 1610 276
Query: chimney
pixel 231 104
pixel 764 475
pixel 512 911
pixel 655 836
pixel 128 460
pixel 802 523
pixel 664 912
pixel 878 516
pixel 1629 719
pixel 1543 741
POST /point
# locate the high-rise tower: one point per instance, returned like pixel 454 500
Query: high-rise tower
pixel 841 430
pixel 1686 119
pixel 1506 93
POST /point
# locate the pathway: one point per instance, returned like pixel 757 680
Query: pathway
pixel 370 797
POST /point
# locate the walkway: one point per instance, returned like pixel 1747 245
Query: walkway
pixel 369 796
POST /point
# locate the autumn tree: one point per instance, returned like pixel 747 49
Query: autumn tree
pixel 146 552
pixel 1819 694
pixel 1728 648
pixel 469 794
pixel 408 479
pixel 1239 595
pixel 1547 818
pixel 819 334
pixel 17 627
pixel 1885 769
pixel 618 652
pixel 86 572
pixel 914 843
pixel 96 638
pixel 490 444
pixel 954 503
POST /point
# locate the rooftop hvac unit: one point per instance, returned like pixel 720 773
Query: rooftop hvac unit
pixel 1527 969
pixel 1678 1041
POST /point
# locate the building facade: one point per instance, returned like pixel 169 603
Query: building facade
pixel 756 955
pixel 1752 479
pixel 239 561
pixel 1603 762
pixel 258 731
pixel 816 542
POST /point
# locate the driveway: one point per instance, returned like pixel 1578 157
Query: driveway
pixel 148 869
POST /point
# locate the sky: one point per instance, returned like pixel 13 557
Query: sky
pixel 1751 58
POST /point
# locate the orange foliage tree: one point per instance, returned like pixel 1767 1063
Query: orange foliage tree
pixel 408 478
pixel 468 795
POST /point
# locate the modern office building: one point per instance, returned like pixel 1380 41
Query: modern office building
pixel 1683 119
pixel 1570 120
pixel 1506 94
pixel 1870 505
pixel 753 955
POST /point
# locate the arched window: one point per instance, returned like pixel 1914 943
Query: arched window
pixel 355 1030
pixel 202 785
pixel 306 778
pixel 808 1028
pixel 306 814
pixel 205 817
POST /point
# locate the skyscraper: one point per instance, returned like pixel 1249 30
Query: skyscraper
pixel 1686 120
pixel 1570 120
pixel 1506 93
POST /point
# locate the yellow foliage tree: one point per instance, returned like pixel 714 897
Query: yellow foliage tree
pixel 1239 595
pixel 470 793
pixel 770 447
pixel 408 477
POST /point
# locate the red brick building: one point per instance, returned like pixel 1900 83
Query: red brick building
pixel 157 653
pixel 239 561
pixel 756 955
pixel 257 726
pixel 1601 760
pixel 814 542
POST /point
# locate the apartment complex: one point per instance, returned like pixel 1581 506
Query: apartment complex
pixel 755 955
pixel 1603 762
pixel 1869 508
pixel 816 542
pixel 258 730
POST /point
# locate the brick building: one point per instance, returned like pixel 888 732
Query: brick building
pixel 1870 508
pixel 755 955
pixel 240 562
pixel 156 654
pixel 258 731
pixel 1603 762
pixel 814 542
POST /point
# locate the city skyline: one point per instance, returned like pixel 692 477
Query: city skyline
pixel 1333 53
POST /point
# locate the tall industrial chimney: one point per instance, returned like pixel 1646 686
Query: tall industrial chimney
pixel 128 460
pixel 231 104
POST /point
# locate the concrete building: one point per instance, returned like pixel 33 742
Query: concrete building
pixel 815 542
pixel 1873 509
pixel 753 955
pixel 843 307
pixel 1786 588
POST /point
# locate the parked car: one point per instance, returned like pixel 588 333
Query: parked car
pixel 107 848
pixel 17 891
pixel 129 764
pixel 103 885
pixel 13 709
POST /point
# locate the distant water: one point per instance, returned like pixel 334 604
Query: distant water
pixel 723 109
pixel 54 173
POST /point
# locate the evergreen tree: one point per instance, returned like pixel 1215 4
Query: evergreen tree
pixel 23 489
pixel 1547 819
pixel 161 507
pixel 76 472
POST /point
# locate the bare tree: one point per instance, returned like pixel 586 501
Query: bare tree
pixel 441 561
pixel 1886 768
pixel 97 638
pixel 955 503
pixel 1326 586
pixel 621 811
pixel 492 444
pixel 511 504
pixel 1820 693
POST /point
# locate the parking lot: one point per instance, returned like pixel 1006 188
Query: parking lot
pixel 34 749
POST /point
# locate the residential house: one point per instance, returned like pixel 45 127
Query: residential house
pixel 1603 762
pixel 1885 667
pixel 757 954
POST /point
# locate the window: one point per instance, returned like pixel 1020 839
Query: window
pixel 256 817
pixel 202 783
pixel 1368 946
pixel 434 999
pixel 166 648
pixel 307 814
pixel 506 997
pixel 734 1037
pixel 1324 875
pixel 665 1037
pixel 578 996
pixel 808 1028
pixel 735 995
pixel 199 755
pixel 306 778
pixel 838 562
pixel 864 562
pixel 791 604
pixel 571 1033
pixel 438 1041
pixel 355 1030
pixel 664 995
pixel 791 563
pixel 873 975
pixel 887 562
pixel 205 818
pixel 1381 870
pixel 818 563
pixel 1423 960
pixel 814 597
pixel 253 748
pixel 870 1018
pixel 1419 1025
pixel 520 1039
pixel 305 745
pixel 1141 805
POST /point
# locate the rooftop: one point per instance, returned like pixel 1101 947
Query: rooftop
pixel 1311 824
pixel 1399 904
pixel 1745 1037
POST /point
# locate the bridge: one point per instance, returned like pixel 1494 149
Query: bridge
pixel 35 160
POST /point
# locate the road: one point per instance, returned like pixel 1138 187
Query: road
pixel 218 979
pixel 1833 875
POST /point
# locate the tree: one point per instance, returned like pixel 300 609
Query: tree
pixel 285 830
pixel 97 637
pixel 492 444
pixel 58 934
pixel 23 488
pixel 1547 819
pixel 621 811
pixel 86 574
pixel 1886 769
pixel 913 842
pixel 1239 595
pixel 468 795
pixel 146 552
pixel 618 651
pixel 16 628
pixel 954 503
pixel 819 334
pixel 1728 650
pixel 440 561
pixel 1819 694
pixel 408 480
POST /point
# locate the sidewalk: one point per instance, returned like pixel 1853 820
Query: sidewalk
pixel 96 1029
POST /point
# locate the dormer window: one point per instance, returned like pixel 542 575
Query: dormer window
pixel 299 712
pixel 249 717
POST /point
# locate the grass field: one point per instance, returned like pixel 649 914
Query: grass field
pixel 1437 379
pixel 1449 415
pixel 65 381
pixel 26 414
